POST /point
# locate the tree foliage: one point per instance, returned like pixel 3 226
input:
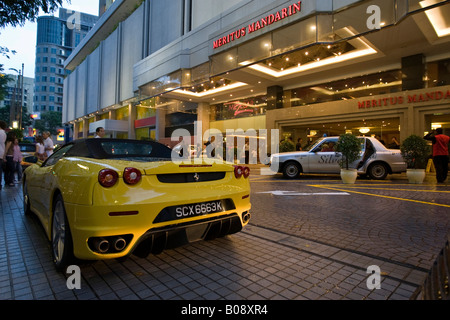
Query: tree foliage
pixel 4 79
pixel 26 119
pixel 17 12
pixel 415 151
pixel 50 120
pixel 349 146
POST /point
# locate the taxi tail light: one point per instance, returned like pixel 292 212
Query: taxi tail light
pixel 132 176
pixel 108 178
pixel 240 171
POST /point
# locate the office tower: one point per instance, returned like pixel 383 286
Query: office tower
pixel 56 38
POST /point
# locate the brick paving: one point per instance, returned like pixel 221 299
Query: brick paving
pixel 294 249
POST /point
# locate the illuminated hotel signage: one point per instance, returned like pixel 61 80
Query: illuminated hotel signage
pixel 255 26
pixel 407 98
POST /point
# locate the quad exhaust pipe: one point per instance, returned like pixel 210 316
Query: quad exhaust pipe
pixel 246 217
pixel 101 245
pixel 112 244
pixel 119 244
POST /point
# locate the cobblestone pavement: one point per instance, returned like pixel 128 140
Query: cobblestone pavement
pixel 309 239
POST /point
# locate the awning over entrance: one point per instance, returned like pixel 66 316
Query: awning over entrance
pixel 109 125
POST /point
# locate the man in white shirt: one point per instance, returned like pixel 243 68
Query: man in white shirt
pixel 3 126
pixel 48 143
pixel 100 132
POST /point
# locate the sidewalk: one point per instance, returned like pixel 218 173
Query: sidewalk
pixel 292 250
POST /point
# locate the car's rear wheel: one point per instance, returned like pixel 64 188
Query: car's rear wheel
pixel 377 171
pixel 291 170
pixel 62 247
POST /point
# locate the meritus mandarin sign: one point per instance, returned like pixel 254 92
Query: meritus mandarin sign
pixel 257 25
pixel 426 96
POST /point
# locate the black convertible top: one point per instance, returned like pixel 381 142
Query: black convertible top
pixel 117 148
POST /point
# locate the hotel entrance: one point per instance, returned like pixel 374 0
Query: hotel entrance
pixel 387 129
pixel 438 120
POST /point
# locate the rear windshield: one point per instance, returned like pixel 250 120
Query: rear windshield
pixel 127 149
pixel 124 149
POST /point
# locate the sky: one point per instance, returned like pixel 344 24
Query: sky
pixel 23 39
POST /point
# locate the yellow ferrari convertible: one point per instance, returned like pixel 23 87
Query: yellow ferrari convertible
pixel 109 198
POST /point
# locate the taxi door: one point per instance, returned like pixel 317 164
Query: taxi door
pixel 323 158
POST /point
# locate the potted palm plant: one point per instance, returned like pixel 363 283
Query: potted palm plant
pixel 416 152
pixel 349 146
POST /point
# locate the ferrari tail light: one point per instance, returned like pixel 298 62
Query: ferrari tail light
pixel 240 171
pixel 246 172
pixel 108 177
pixel 132 176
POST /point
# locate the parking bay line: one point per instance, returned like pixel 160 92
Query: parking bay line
pixel 295 193
pixel 381 196
pixel 362 186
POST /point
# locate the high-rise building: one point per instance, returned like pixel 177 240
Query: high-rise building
pixel 14 92
pixel 56 38
pixel 104 5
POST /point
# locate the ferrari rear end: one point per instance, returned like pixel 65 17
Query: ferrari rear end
pixel 147 207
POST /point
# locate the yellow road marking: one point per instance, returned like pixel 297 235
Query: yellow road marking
pixel 390 189
pixel 381 196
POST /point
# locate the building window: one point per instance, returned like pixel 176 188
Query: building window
pixel 438 73
pixel 345 89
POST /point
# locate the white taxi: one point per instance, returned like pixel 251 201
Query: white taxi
pixel 375 160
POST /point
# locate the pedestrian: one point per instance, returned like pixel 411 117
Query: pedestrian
pixel 440 153
pixel 17 158
pixel 48 143
pixel 9 159
pixel 3 126
pixel 99 132
pixel 379 139
pixel 40 149
pixel 298 146
pixel 394 144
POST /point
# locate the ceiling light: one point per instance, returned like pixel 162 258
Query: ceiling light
pixel 364 130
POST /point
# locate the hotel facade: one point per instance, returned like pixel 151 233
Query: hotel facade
pixel 306 68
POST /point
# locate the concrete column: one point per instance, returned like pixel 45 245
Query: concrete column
pixel 274 97
pixel 131 119
pixel 160 124
pixel 112 116
pixel 413 70
pixel 76 130
pixel 203 113
pixel 85 128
